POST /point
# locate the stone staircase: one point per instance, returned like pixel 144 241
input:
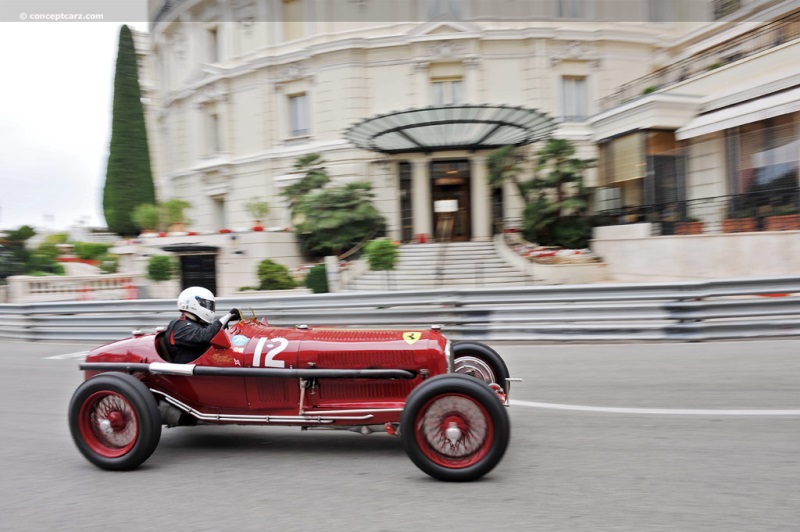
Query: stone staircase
pixel 443 265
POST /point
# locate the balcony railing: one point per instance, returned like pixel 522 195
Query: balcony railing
pixel 776 33
pixel 773 210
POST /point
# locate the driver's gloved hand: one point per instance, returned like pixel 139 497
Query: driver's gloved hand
pixel 232 315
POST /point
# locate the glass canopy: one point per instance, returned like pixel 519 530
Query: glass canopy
pixel 450 127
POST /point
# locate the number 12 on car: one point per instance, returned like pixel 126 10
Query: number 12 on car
pixel 276 346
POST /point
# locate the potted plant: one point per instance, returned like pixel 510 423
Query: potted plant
pixel 258 210
pixel 740 222
pixel 173 212
pixel 147 217
pixel 785 219
pixel 689 226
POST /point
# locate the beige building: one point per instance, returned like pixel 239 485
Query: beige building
pixel 670 96
pixel 243 88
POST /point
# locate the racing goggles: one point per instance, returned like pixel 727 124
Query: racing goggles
pixel 205 303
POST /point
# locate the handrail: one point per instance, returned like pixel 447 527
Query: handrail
pixel 768 36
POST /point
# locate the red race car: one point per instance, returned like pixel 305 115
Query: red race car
pixel 447 401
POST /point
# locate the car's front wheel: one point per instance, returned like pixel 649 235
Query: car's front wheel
pixel 454 428
pixel 114 421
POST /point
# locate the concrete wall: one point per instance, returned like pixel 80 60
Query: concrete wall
pixel 709 256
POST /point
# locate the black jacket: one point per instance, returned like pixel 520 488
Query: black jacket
pixel 188 339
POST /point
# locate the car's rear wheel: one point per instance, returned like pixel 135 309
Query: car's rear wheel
pixel 480 361
pixel 114 421
pixel 454 428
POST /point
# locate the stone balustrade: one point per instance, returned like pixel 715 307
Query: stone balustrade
pixel 28 289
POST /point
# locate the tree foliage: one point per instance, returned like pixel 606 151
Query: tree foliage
pixel 16 258
pixel 329 221
pixel 555 197
pixel 129 181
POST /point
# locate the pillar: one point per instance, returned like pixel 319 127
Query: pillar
pixel 421 198
pixel 480 200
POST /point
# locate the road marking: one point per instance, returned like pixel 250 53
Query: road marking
pixel 658 411
pixel 79 354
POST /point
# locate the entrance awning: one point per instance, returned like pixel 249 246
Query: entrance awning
pixel 744 113
pixel 451 127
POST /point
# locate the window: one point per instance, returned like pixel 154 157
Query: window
pixel 212 45
pixel 213 137
pixel 660 11
pixel 570 9
pixel 723 8
pixel 294 24
pixel 299 123
pixel 447 91
pixel 574 99
pixel 444 10
pixel 219 213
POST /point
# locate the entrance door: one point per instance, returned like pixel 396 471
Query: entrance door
pixel 199 270
pixel 450 181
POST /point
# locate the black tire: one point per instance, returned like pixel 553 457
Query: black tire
pixel 114 421
pixel 479 422
pixel 480 361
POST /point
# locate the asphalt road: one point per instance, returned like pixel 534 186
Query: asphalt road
pixel 611 437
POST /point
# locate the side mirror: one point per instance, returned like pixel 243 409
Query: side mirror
pixel 221 340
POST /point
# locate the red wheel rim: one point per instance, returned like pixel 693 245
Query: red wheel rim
pixel 109 424
pixel 454 431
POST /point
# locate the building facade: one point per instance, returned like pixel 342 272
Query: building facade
pixel 241 89
pixel 714 136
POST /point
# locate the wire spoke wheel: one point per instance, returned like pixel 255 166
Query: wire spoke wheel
pixel 109 424
pixel 475 367
pixel 481 362
pixel 114 421
pixel 454 431
pixel 454 427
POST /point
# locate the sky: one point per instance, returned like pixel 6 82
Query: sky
pixel 55 121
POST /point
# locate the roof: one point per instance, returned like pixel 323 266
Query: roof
pixel 451 127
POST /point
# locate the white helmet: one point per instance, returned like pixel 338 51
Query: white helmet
pixel 198 301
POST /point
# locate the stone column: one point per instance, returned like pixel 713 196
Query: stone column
pixel 421 198
pixel 480 200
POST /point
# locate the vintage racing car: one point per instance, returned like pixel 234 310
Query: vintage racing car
pixel 446 401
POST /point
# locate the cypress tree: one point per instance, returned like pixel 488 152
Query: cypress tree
pixel 129 180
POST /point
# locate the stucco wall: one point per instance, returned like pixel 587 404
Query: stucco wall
pixel 700 256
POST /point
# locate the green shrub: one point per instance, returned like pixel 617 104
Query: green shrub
pixel 109 263
pixel 317 279
pixel 381 254
pixel 161 268
pixel 90 250
pixel 274 276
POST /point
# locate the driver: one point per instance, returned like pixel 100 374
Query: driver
pixel 190 336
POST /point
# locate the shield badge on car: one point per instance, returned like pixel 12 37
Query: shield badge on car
pixel 411 337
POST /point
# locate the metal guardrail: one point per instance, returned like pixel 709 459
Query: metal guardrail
pixel 675 311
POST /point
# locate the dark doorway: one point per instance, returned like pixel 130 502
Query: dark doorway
pixel 451 181
pixel 199 270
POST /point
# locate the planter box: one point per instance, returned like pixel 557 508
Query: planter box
pixel 689 228
pixel 739 225
pixel 786 222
